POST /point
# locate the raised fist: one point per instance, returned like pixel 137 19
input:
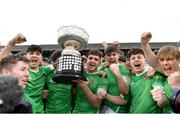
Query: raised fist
pixel 19 38
pixel 115 69
pixel 145 37
pixel 104 45
pixel 116 43
pixel 174 79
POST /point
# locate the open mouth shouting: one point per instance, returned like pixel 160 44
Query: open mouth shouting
pixel 167 70
pixel 137 65
pixel 91 64
pixel 33 61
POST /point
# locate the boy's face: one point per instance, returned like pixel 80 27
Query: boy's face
pixel 92 63
pixel 112 58
pixel 137 63
pixel 20 70
pixel 169 65
pixel 35 58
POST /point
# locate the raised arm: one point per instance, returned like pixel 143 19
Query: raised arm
pixel 104 45
pixel 149 54
pixel 19 38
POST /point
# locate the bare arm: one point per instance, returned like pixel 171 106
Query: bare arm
pixel 123 86
pixel 6 50
pixel 19 38
pixel 116 99
pixel 94 99
pixel 149 54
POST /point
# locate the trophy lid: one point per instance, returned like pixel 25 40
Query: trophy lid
pixel 66 33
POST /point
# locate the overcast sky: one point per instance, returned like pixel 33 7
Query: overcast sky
pixel 104 20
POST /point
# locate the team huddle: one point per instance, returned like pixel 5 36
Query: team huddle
pixel 139 82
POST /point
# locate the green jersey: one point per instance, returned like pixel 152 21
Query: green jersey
pixel 169 94
pixel 141 97
pixel 113 89
pixel 59 97
pixel 96 82
pixel 35 86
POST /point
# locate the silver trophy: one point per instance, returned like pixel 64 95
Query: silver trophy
pixel 71 39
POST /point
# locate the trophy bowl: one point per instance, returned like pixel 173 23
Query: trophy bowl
pixel 70 65
pixel 75 33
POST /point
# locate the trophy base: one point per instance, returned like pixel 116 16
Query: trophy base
pixel 67 78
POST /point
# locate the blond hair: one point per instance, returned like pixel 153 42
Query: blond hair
pixel 169 52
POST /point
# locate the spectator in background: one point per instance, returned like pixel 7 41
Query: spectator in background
pixel 122 60
pixel 45 61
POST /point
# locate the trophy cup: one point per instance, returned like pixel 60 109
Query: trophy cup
pixel 71 39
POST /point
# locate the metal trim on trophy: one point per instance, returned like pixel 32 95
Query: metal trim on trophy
pixel 66 33
pixel 70 67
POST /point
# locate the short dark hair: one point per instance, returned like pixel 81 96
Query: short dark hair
pixel 135 51
pixel 34 48
pixel 11 60
pixel 95 52
pixel 111 49
pixel 122 59
pixel 56 54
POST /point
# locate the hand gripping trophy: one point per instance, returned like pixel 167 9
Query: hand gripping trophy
pixel 71 39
